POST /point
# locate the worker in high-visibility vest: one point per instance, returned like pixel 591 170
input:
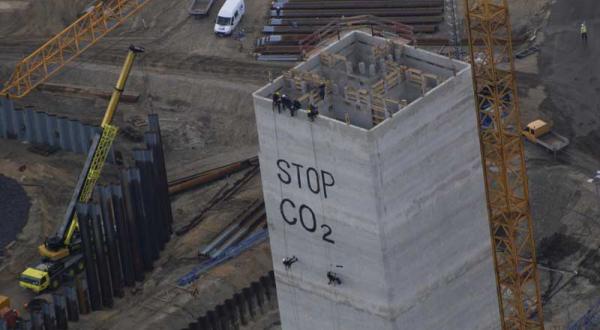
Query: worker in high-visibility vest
pixel 584 32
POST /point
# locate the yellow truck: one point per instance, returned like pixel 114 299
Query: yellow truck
pixel 540 132
pixel 47 274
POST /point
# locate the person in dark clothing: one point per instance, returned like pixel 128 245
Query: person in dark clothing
pixel 286 102
pixel 295 106
pixel 277 101
pixel 333 279
pixel 312 112
pixel 278 10
pixel 322 91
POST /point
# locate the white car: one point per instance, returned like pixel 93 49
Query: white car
pixel 229 17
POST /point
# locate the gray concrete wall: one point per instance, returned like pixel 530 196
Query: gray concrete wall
pixel 406 213
pixel 434 225
pixel 349 214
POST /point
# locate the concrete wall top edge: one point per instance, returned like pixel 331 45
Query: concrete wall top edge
pixel 462 77
pixel 446 67
pixel 261 103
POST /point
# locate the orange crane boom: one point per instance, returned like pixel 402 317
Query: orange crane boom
pixel 503 161
pixel 50 58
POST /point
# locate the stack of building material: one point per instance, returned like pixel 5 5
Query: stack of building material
pixel 127 225
pixel 54 310
pixel 122 233
pixel 237 230
pixel 291 21
pixel 229 252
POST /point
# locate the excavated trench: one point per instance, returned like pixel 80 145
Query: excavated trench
pixel 14 210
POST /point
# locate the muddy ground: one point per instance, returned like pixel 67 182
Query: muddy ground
pixel 566 207
pixel 200 86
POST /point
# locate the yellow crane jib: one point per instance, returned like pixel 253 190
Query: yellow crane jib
pixel 62 252
pixel 67 45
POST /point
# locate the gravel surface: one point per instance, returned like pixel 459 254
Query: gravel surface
pixel 14 210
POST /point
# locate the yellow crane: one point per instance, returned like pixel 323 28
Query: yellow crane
pixel 62 252
pixel 57 52
pixel 502 153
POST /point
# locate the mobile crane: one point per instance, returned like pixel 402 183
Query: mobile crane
pixel 61 253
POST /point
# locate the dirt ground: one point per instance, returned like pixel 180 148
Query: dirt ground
pixel 201 87
pixel 566 207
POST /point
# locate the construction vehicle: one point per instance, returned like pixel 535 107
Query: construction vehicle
pixel 229 17
pixel 9 315
pixel 95 23
pixel 200 8
pixel 61 253
pixel 540 132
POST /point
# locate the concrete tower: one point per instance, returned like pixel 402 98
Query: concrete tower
pixel 378 205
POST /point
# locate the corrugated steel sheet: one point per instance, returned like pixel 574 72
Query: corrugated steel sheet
pixel 38 127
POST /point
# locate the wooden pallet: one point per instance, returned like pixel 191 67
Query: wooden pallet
pixel 331 60
pixel 378 87
pixel 392 79
pixel 380 51
pixel 350 94
pixel 414 76
pixel 364 96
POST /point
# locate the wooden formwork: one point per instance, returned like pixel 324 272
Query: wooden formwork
pixel 331 60
pixel 383 50
pixel 350 94
pixel 364 96
pixel 378 87
pixel 297 78
pixel 378 109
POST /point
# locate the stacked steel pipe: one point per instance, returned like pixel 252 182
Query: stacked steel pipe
pixel 290 21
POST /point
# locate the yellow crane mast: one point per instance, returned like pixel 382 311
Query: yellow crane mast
pixel 497 105
pixel 86 31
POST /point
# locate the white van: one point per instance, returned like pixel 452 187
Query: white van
pixel 229 17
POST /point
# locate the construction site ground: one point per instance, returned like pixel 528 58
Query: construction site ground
pixel 201 85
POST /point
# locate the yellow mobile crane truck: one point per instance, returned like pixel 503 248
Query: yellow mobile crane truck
pixel 61 253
